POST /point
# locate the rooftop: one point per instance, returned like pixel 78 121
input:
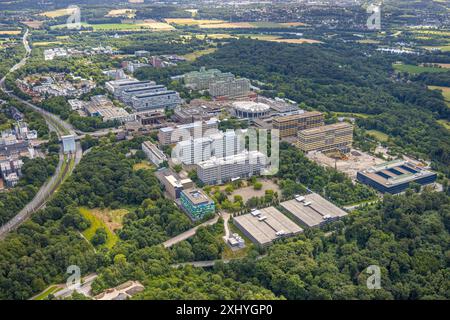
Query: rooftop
pixel 266 225
pixel 395 172
pixel 196 196
pixel 312 209
pixel 330 127
pixel 239 158
pixel 297 116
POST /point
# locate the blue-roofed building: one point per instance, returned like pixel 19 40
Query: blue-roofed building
pixel 395 176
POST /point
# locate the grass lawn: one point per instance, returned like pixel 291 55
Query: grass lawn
pixel 47 292
pixel 228 253
pixel 351 114
pixel 97 222
pixel 409 68
pixel 46 43
pixel 380 136
pixel 196 54
pixel 444 123
pixel 445 91
pixel 143 165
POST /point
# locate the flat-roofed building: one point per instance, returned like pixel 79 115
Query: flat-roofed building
pixel 118 86
pixel 155 100
pixel 172 135
pixel 313 210
pixel 290 125
pixel 156 156
pixel 196 203
pixel 220 144
pixel 128 94
pixel 229 89
pixel 242 165
pixel 395 176
pixel 101 106
pixel 338 136
pixel 263 226
pixel 201 80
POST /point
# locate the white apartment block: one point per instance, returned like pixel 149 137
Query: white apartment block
pixel 219 145
pixel 171 135
pixel 221 170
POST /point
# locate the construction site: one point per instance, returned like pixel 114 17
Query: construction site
pixel 349 163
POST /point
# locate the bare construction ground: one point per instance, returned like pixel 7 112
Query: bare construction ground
pixel 352 163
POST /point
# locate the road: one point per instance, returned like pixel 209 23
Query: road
pixel 187 234
pixel 65 164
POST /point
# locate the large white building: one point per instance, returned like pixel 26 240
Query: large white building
pixel 118 86
pixel 242 165
pixel 155 100
pixel 170 135
pixel 219 145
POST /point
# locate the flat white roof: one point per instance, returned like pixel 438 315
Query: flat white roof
pixel 265 231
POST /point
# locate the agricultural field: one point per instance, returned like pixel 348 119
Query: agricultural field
pixel 191 22
pixel 58 13
pixel 10 32
pixel 297 41
pixel 137 26
pixel 409 68
pixel 46 43
pixel 34 24
pixel 129 13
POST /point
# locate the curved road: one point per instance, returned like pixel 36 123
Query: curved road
pixel 65 165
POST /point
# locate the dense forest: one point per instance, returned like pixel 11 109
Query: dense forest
pixel 342 77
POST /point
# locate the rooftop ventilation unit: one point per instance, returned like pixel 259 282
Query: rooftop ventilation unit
pixel 256 213
pixel 300 198
pixel 280 233
pixel 262 218
pixel 307 203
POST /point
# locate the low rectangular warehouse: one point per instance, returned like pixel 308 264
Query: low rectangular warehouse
pixel 395 176
pixel 266 225
pixel 313 210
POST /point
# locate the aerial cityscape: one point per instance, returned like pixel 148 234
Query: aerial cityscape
pixel 232 150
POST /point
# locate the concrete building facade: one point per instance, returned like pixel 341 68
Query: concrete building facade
pixel 290 125
pixel 155 100
pixel 241 165
pixel 230 88
pixel 338 136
